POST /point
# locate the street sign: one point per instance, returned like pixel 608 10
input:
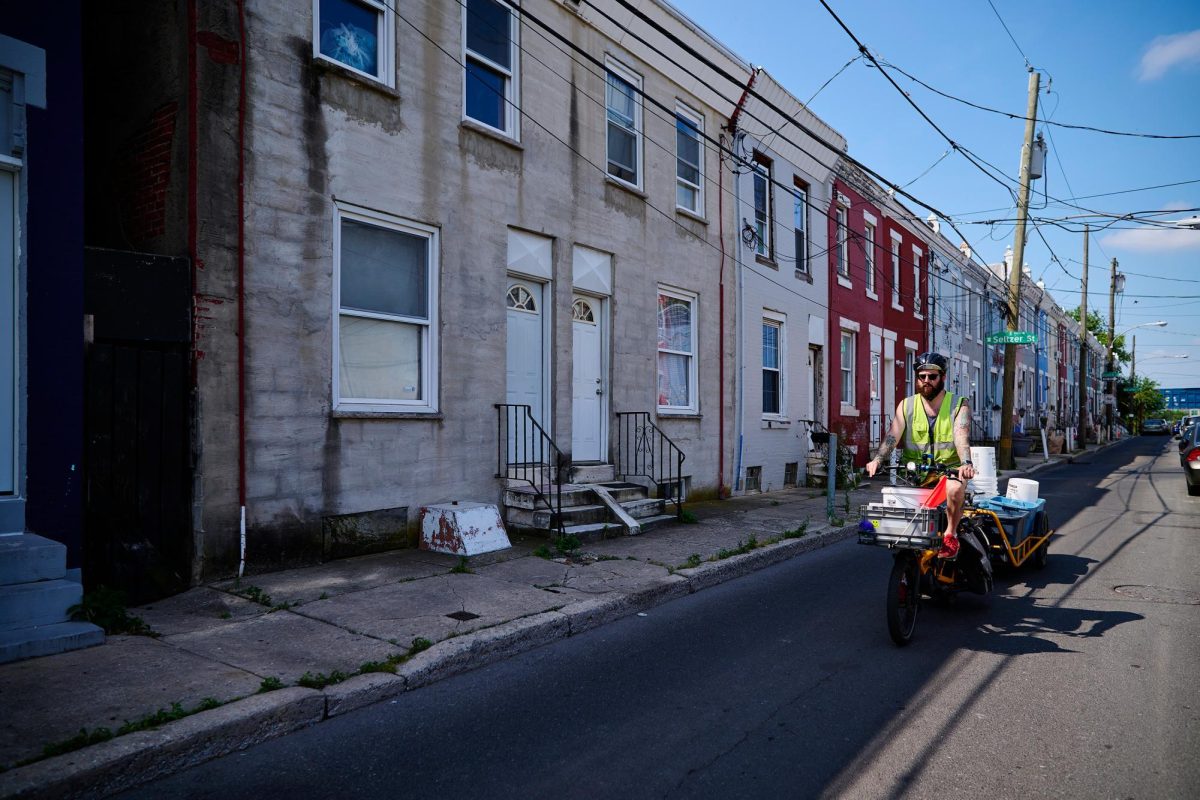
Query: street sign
pixel 1110 374
pixel 1012 337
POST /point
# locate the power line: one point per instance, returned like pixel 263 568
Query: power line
pixel 1010 36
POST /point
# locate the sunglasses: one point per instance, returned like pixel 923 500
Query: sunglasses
pixel 929 376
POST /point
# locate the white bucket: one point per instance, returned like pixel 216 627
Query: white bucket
pixel 904 496
pixel 984 461
pixel 1022 489
pixel 988 486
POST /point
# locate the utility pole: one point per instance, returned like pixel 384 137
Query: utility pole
pixel 1004 456
pixel 1111 384
pixel 1083 349
pixel 1136 423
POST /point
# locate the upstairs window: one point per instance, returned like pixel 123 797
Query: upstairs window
pixel 490 56
pixel 869 255
pixel 896 272
pixel 800 224
pixel 689 170
pixel 624 125
pixel 764 244
pixel 843 250
pixel 358 35
pixel 916 269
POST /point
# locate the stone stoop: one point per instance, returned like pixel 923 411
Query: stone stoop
pixel 35 594
pixel 586 508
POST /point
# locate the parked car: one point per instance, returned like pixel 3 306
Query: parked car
pixel 1189 459
pixel 1157 427
pixel 1185 423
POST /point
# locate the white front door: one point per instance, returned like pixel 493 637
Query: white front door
pixel 876 404
pixel 588 389
pixel 526 354
pixel 8 334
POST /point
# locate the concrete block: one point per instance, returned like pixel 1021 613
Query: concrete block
pixel 39 603
pixel 362 690
pixel 45 640
pixel 464 529
pixel 27 557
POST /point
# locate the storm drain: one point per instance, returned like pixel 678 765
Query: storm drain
pixel 1159 594
pixel 463 616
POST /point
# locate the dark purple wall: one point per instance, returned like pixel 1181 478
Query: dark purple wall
pixel 54 168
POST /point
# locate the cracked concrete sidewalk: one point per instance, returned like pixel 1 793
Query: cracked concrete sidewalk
pixel 336 617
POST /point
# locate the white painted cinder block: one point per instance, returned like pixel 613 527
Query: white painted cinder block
pixel 463 529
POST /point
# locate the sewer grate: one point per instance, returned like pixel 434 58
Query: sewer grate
pixel 463 616
pixel 1159 594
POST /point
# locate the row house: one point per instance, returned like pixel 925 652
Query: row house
pixel 878 266
pixel 782 185
pixel 423 245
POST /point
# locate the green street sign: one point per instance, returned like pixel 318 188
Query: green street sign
pixel 1011 337
pixel 1110 374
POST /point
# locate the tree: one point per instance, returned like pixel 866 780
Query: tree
pixel 1139 398
pixel 1099 328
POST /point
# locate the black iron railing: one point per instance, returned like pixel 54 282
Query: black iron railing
pixel 525 452
pixel 643 450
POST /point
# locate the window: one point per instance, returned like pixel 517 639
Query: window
pixel 800 224
pixel 869 256
pixel 910 366
pixel 916 265
pixel 624 125
pixel 764 244
pixel 847 367
pixel 896 272
pixel 689 160
pixel 676 352
pixel 876 375
pixel 772 367
pixel 753 479
pixel 791 474
pixel 843 252
pixel 358 34
pixel 490 56
pixel 386 302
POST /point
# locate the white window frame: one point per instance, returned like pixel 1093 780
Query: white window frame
pixel 779 322
pixel 691 299
pixel 917 255
pixel 385 34
pixel 696 120
pixel 897 241
pixel 848 374
pixel 800 224
pixel 512 85
pixel 870 231
pixel 428 404
pixel 842 232
pixel 630 77
pixel 764 170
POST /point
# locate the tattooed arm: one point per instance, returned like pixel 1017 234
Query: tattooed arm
pixel 962 439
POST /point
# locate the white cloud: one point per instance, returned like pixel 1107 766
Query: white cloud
pixel 1166 52
pixel 1156 240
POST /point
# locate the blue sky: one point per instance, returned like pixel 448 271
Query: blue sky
pixel 1120 66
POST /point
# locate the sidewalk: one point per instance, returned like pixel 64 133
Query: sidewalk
pixel 234 664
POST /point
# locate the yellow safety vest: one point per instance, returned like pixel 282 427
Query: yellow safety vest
pixel 917 439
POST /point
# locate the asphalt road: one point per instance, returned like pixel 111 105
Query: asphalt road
pixel 1079 681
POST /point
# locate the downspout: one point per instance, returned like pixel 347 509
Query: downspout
pixel 192 215
pixel 721 324
pixel 241 287
pixel 739 406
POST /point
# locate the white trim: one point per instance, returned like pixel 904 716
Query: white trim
pixel 428 403
pixel 694 117
pixel 693 300
pixel 870 218
pixel 626 74
pixel 779 322
pixel 849 325
pixel 909 344
pixel 889 335
pixel 512 75
pixel 844 281
pixel 386 33
pixel 875 330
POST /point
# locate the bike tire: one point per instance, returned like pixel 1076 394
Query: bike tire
pixel 903 599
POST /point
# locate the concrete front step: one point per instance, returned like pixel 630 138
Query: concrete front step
pixel 525 497
pixel 27 557
pixel 591 473
pixel 25 605
pixel 653 522
pixel 638 509
pixel 45 640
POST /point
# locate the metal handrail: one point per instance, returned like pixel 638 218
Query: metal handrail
pixel 525 452
pixel 643 450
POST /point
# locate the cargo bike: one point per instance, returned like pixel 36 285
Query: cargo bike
pixel 910 521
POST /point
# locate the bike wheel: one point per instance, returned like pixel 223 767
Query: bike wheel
pixel 903 599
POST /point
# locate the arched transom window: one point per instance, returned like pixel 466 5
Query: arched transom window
pixel 520 299
pixel 582 311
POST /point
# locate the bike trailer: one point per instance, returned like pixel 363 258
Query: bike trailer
pixel 1015 527
pixel 893 526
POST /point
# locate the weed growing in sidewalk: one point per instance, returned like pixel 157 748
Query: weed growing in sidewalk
pixel 419 644
pixel 461 568
pixel 543 552
pixel 254 595
pixel 105 608
pixel 739 549
pixel 269 684
pixel 796 533
pixel 688 518
pixel 567 544
pixel 84 738
pixel 692 562
pixel 321 680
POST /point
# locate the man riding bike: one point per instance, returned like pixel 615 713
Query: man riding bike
pixel 937 423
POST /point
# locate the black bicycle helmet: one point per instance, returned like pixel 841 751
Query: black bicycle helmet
pixel 930 361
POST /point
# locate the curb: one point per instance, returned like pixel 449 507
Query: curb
pixel 128 761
